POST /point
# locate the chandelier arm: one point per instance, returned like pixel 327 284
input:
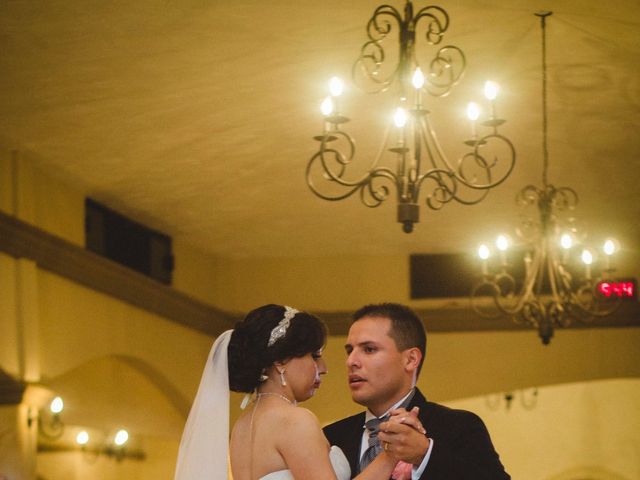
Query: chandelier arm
pixel 437 26
pixel 526 295
pixel 475 294
pixel 372 54
pixel 379 194
pixel 318 193
pixel 444 65
pixel 552 271
pixel 436 144
pixel 595 308
pixel 429 136
pixel 437 176
pixel 339 158
pixel 479 159
pixel 542 253
pixel 528 195
pixel 495 286
pixel 563 198
pixel 447 193
pixel 375 56
pixel 512 151
pixel 343 160
pixel 331 176
pixel 378 26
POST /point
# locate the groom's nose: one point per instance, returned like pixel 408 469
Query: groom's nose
pixel 352 359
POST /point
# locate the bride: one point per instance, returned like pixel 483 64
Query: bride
pixel 275 356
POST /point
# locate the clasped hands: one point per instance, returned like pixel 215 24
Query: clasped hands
pixel 404 437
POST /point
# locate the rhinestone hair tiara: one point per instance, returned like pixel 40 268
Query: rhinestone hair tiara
pixel 280 330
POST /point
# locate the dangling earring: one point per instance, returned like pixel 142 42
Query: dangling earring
pixel 283 382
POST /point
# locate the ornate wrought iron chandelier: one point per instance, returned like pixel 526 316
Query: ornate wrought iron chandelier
pixel 553 291
pixel 417 159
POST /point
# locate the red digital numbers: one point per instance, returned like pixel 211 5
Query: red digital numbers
pixel 617 289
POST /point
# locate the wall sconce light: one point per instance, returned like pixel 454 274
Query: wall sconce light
pixel 50 424
pixel 528 399
pixel 116 448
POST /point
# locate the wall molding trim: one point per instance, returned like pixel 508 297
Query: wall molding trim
pixel 22 240
pixel 54 254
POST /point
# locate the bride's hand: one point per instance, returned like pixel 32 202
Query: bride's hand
pixel 410 418
pixel 404 437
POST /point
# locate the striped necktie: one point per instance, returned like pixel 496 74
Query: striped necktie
pixel 373 426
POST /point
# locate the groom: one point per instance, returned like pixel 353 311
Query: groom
pixel 385 350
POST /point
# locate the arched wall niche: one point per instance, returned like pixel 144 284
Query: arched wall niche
pixel 122 391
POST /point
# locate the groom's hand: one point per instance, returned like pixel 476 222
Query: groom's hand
pixel 404 436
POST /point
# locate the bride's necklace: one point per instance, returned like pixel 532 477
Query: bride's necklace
pixel 272 394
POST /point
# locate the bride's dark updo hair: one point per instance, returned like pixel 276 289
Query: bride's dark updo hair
pixel 249 354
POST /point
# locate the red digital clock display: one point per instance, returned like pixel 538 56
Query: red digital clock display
pixel 620 289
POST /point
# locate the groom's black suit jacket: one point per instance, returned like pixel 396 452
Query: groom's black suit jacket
pixel 462 447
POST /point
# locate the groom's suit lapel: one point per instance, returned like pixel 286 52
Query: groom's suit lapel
pixel 353 434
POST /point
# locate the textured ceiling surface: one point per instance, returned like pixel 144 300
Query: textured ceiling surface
pixel 197 118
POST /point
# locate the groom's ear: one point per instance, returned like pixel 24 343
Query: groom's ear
pixel 412 357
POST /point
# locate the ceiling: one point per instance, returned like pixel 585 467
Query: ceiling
pixel 197 117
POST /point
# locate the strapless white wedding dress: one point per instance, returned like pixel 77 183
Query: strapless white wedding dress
pixel 338 461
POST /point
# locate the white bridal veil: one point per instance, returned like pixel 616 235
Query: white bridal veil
pixel 204 447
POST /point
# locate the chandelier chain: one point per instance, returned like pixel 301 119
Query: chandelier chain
pixel 545 122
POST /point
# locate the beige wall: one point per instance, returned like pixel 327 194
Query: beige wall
pixel 586 430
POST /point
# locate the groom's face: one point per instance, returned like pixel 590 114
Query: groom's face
pixel 375 367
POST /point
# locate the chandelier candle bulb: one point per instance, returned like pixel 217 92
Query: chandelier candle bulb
pixel 418 79
pixel 491 92
pixel 326 107
pixel 502 243
pixel 484 253
pixel 587 258
pixel 336 86
pixel 473 113
pixel 418 82
pixel 609 248
pixel 400 118
pixel 566 242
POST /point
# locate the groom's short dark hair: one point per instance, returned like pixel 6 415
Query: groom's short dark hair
pixel 407 330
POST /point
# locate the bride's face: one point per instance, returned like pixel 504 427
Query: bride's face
pixel 303 375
